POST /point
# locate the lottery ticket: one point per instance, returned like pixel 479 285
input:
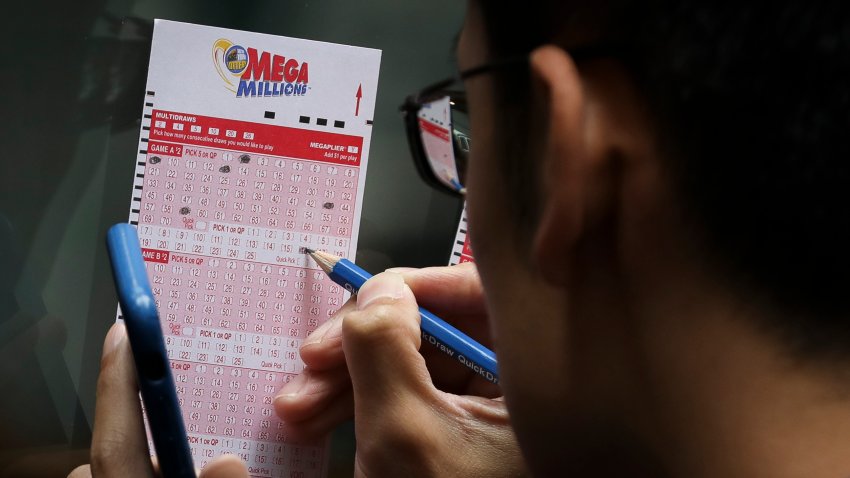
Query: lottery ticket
pixel 461 251
pixel 252 148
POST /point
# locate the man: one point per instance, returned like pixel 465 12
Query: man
pixel 656 206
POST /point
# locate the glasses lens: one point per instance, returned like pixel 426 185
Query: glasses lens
pixel 445 138
pixel 460 136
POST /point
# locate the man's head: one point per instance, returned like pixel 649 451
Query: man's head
pixel 697 171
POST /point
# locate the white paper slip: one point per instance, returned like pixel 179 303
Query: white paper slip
pixel 461 251
pixel 252 148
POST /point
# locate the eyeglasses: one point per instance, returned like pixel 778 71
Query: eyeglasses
pixel 437 124
pixel 437 121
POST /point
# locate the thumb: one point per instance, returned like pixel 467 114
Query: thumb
pixel 225 466
pixel 381 342
pixel 454 289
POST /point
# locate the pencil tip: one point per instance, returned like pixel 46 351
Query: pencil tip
pixel 308 250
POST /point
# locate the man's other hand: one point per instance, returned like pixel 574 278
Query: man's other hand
pixel 119 446
pixel 415 414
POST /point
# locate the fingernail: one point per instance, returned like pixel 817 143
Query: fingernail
pixel 116 335
pixel 329 330
pixel 314 338
pixel 293 388
pixel 401 270
pixel 319 334
pixel 386 285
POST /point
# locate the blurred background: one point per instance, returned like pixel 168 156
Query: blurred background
pixel 71 93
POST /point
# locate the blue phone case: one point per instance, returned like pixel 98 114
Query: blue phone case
pixel 152 366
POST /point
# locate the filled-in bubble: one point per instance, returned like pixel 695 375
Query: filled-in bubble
pixel 244 159
pixel 154 160
pixel 328 205
pixel 224 169
pixel 185 210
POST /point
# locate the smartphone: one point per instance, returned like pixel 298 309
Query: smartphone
pixel 144 331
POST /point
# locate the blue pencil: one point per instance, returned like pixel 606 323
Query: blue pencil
pixel 435 330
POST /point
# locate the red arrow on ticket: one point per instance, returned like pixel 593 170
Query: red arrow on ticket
pixel 358 96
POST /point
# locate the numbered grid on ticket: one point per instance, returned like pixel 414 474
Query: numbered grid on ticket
pixel 222 234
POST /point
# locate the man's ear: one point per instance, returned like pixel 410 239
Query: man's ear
pixel 564 170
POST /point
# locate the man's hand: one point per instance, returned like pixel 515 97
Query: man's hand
pixel 119 446
pixel 411 410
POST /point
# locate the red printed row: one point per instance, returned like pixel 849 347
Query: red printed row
pixel 256 137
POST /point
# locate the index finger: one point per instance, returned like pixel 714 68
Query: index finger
pixel 119 444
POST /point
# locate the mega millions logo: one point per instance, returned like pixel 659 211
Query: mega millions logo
pixel 250 73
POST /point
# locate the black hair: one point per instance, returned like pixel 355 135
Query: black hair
pixel 752 102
